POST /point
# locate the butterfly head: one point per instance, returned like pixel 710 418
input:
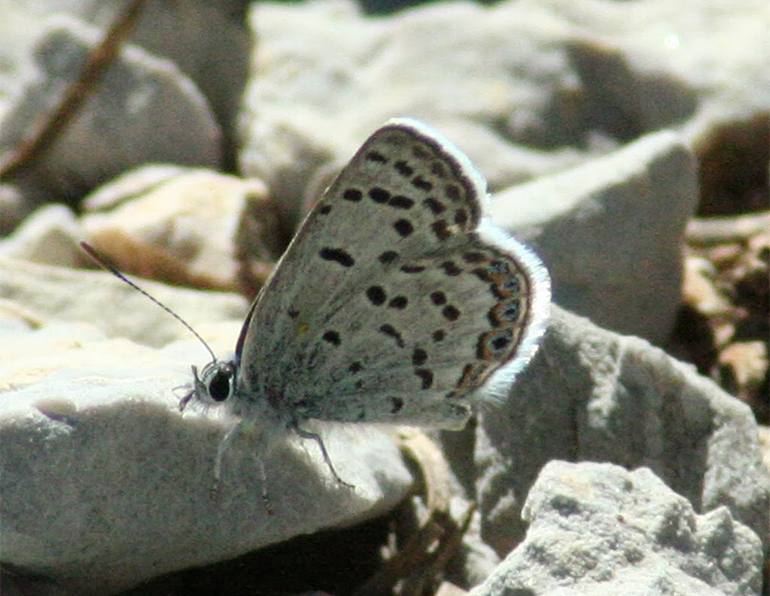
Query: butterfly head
pixel 214 386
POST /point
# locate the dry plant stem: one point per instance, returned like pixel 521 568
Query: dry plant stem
pixel 98 62
pixel 402 564
pixel 422 559
pixel 717 230
pixel 436 561
pixel 428 550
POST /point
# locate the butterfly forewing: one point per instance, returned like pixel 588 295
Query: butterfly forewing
pixel 397 300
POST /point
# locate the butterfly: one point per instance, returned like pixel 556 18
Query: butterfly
pixel 397 301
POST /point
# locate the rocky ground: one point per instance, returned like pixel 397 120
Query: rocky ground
pixel 626 142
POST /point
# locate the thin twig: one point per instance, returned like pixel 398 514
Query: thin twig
pixel 99 60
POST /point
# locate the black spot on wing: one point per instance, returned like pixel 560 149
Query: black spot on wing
pixel 403 227
pixel 441 229
pixel 438 298
pixel 337 255
pixel 450 268
pixel 419 357
pixel 403 168
pixel 376 157
pixel 450 313
pixel 426 377
pixel 352 194
pixel 332 337
pixel 391 331
pixel 376 295
pixel 435 206
pixel 401 202
pixel 388 257
pixel 422 184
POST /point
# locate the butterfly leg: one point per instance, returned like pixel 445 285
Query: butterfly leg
pixel 244 430
pixel 223 445
pixel 263 479
pixel 317 438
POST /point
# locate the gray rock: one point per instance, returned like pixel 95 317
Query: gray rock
pixel 526 88
pixel 144 110
pixel 106 484
pixel 593 395
pixel 59 294
pixel 204 34
pixel 378 69
pixel 610 232
pixel 49 236
pixel 598 529
pixel 131 184
pixel 202 227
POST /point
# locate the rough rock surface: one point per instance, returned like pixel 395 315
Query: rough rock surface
pixel 574 216
pixel 106 484
pixel 617 116
pixel 594 395
pixel 600 529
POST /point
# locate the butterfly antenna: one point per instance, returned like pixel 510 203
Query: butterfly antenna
pixel 102 262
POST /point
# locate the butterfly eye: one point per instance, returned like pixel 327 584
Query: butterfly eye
pixel 220 385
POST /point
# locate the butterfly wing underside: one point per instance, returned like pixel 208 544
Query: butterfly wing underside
pixel 398 299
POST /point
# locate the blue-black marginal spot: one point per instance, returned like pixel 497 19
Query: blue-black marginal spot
pixel 419 356
pixel 332 337
pixel 452 191
pixel 379 195
pixel 403 227
pixel 399 302
pixel 352 194
pixel 355 367
pixel 504 313
pixel 403 168
pixel 436 207
pixel 401 202
pixel 324 209
pixel 412 268
pixel 376 157
pixel 509 311
pixel 390 331
pixel 461 217
pixel 450 313
pixel 293 314
pixel 376 295
pixel 388 257
pixel 450 268
pixel 474 257
pixel 495 342
pixel 498 267
pixel 336 255
pixel 441 229
pixel 438 335
pixel 426 376
pixel 512 286
pixel 438 298
pixel 396 403
pixel 422 184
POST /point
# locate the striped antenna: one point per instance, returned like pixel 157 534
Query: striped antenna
pixel 102 262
